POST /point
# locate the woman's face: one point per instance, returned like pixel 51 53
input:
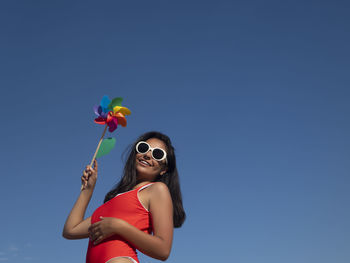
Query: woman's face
pixel 148 168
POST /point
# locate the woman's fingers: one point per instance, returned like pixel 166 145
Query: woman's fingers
pixel 95 234
pixel 95 165
pixel 89 169
pixel 87 173
pixel 85 176
pixel 96 237
pixel 93 228
pixel 98 240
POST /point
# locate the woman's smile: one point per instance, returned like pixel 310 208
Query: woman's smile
pixel 144 162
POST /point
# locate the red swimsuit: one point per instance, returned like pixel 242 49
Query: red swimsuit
pixel 128 207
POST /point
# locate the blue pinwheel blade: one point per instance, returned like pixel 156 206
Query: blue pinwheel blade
pixel 104 103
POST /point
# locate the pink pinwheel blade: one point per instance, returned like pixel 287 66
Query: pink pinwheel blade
pixel 112 125
pixel 115 120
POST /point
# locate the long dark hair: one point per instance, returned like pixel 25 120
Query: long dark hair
pixel 170 178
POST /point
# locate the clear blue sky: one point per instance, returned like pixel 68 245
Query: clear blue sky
pixel 254 94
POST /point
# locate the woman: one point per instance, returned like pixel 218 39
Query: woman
pixel 147 200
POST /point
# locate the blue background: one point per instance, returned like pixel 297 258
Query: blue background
pixel 254 94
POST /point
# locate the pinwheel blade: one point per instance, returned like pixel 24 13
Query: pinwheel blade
pixel 112 124
pixel 112 127
pixel 106 146
pixel 123 110
pixel 97 110
pixel 109 118
pixel 115 102
pixel 104 103
pixel 100 120
pixel 121 119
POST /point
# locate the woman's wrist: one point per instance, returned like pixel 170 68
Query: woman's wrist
pixel 119 226
pixel 86 192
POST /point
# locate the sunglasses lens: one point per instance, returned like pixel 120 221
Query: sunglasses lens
pixel 142 147
pixel 158 154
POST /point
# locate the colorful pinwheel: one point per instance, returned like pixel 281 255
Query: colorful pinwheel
pixel 111 113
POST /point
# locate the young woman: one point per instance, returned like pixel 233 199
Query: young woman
pixel 139 213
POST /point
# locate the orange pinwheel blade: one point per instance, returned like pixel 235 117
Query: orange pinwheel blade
pixel 121 119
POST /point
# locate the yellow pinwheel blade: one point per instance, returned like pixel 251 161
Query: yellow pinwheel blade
pixel 123 110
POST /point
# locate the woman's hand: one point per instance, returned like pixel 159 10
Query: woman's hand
pixel 88 180
pixel 108 226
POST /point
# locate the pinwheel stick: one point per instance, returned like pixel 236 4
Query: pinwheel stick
pixel 98 146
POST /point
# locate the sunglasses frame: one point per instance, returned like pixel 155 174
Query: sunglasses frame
pixel 151 149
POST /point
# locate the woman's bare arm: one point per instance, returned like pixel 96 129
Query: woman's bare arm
pixel 76 227
pixel 161 207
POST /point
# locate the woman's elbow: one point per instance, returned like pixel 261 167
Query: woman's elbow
pixel 66 235
pixel 164 255
pixel 164 258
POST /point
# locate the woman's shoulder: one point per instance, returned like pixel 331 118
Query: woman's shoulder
pixel 159 188
pixel 154 193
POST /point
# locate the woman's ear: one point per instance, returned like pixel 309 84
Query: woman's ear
pixel 163 171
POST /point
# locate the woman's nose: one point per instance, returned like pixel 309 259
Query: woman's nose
pixel 148 155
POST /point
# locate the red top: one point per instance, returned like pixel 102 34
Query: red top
pixel 128 207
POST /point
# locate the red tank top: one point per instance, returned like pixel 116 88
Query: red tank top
pixel 128 207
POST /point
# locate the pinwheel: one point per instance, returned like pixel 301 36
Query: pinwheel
pixel 110 113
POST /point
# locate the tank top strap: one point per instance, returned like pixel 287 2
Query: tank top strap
pixel 143 187
pixel 137 194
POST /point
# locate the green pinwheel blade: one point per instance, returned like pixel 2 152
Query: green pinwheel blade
pixel 106 146
pixel 115 102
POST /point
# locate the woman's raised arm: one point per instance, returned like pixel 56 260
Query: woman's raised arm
pixel 76 227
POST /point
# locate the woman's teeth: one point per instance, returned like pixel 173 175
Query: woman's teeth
pixel 144 162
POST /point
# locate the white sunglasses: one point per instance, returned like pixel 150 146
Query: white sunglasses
pixel 158 154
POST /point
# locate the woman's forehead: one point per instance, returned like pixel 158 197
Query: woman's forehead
pixel 154 142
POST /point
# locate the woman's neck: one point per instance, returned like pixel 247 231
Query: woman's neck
pixel 141 183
